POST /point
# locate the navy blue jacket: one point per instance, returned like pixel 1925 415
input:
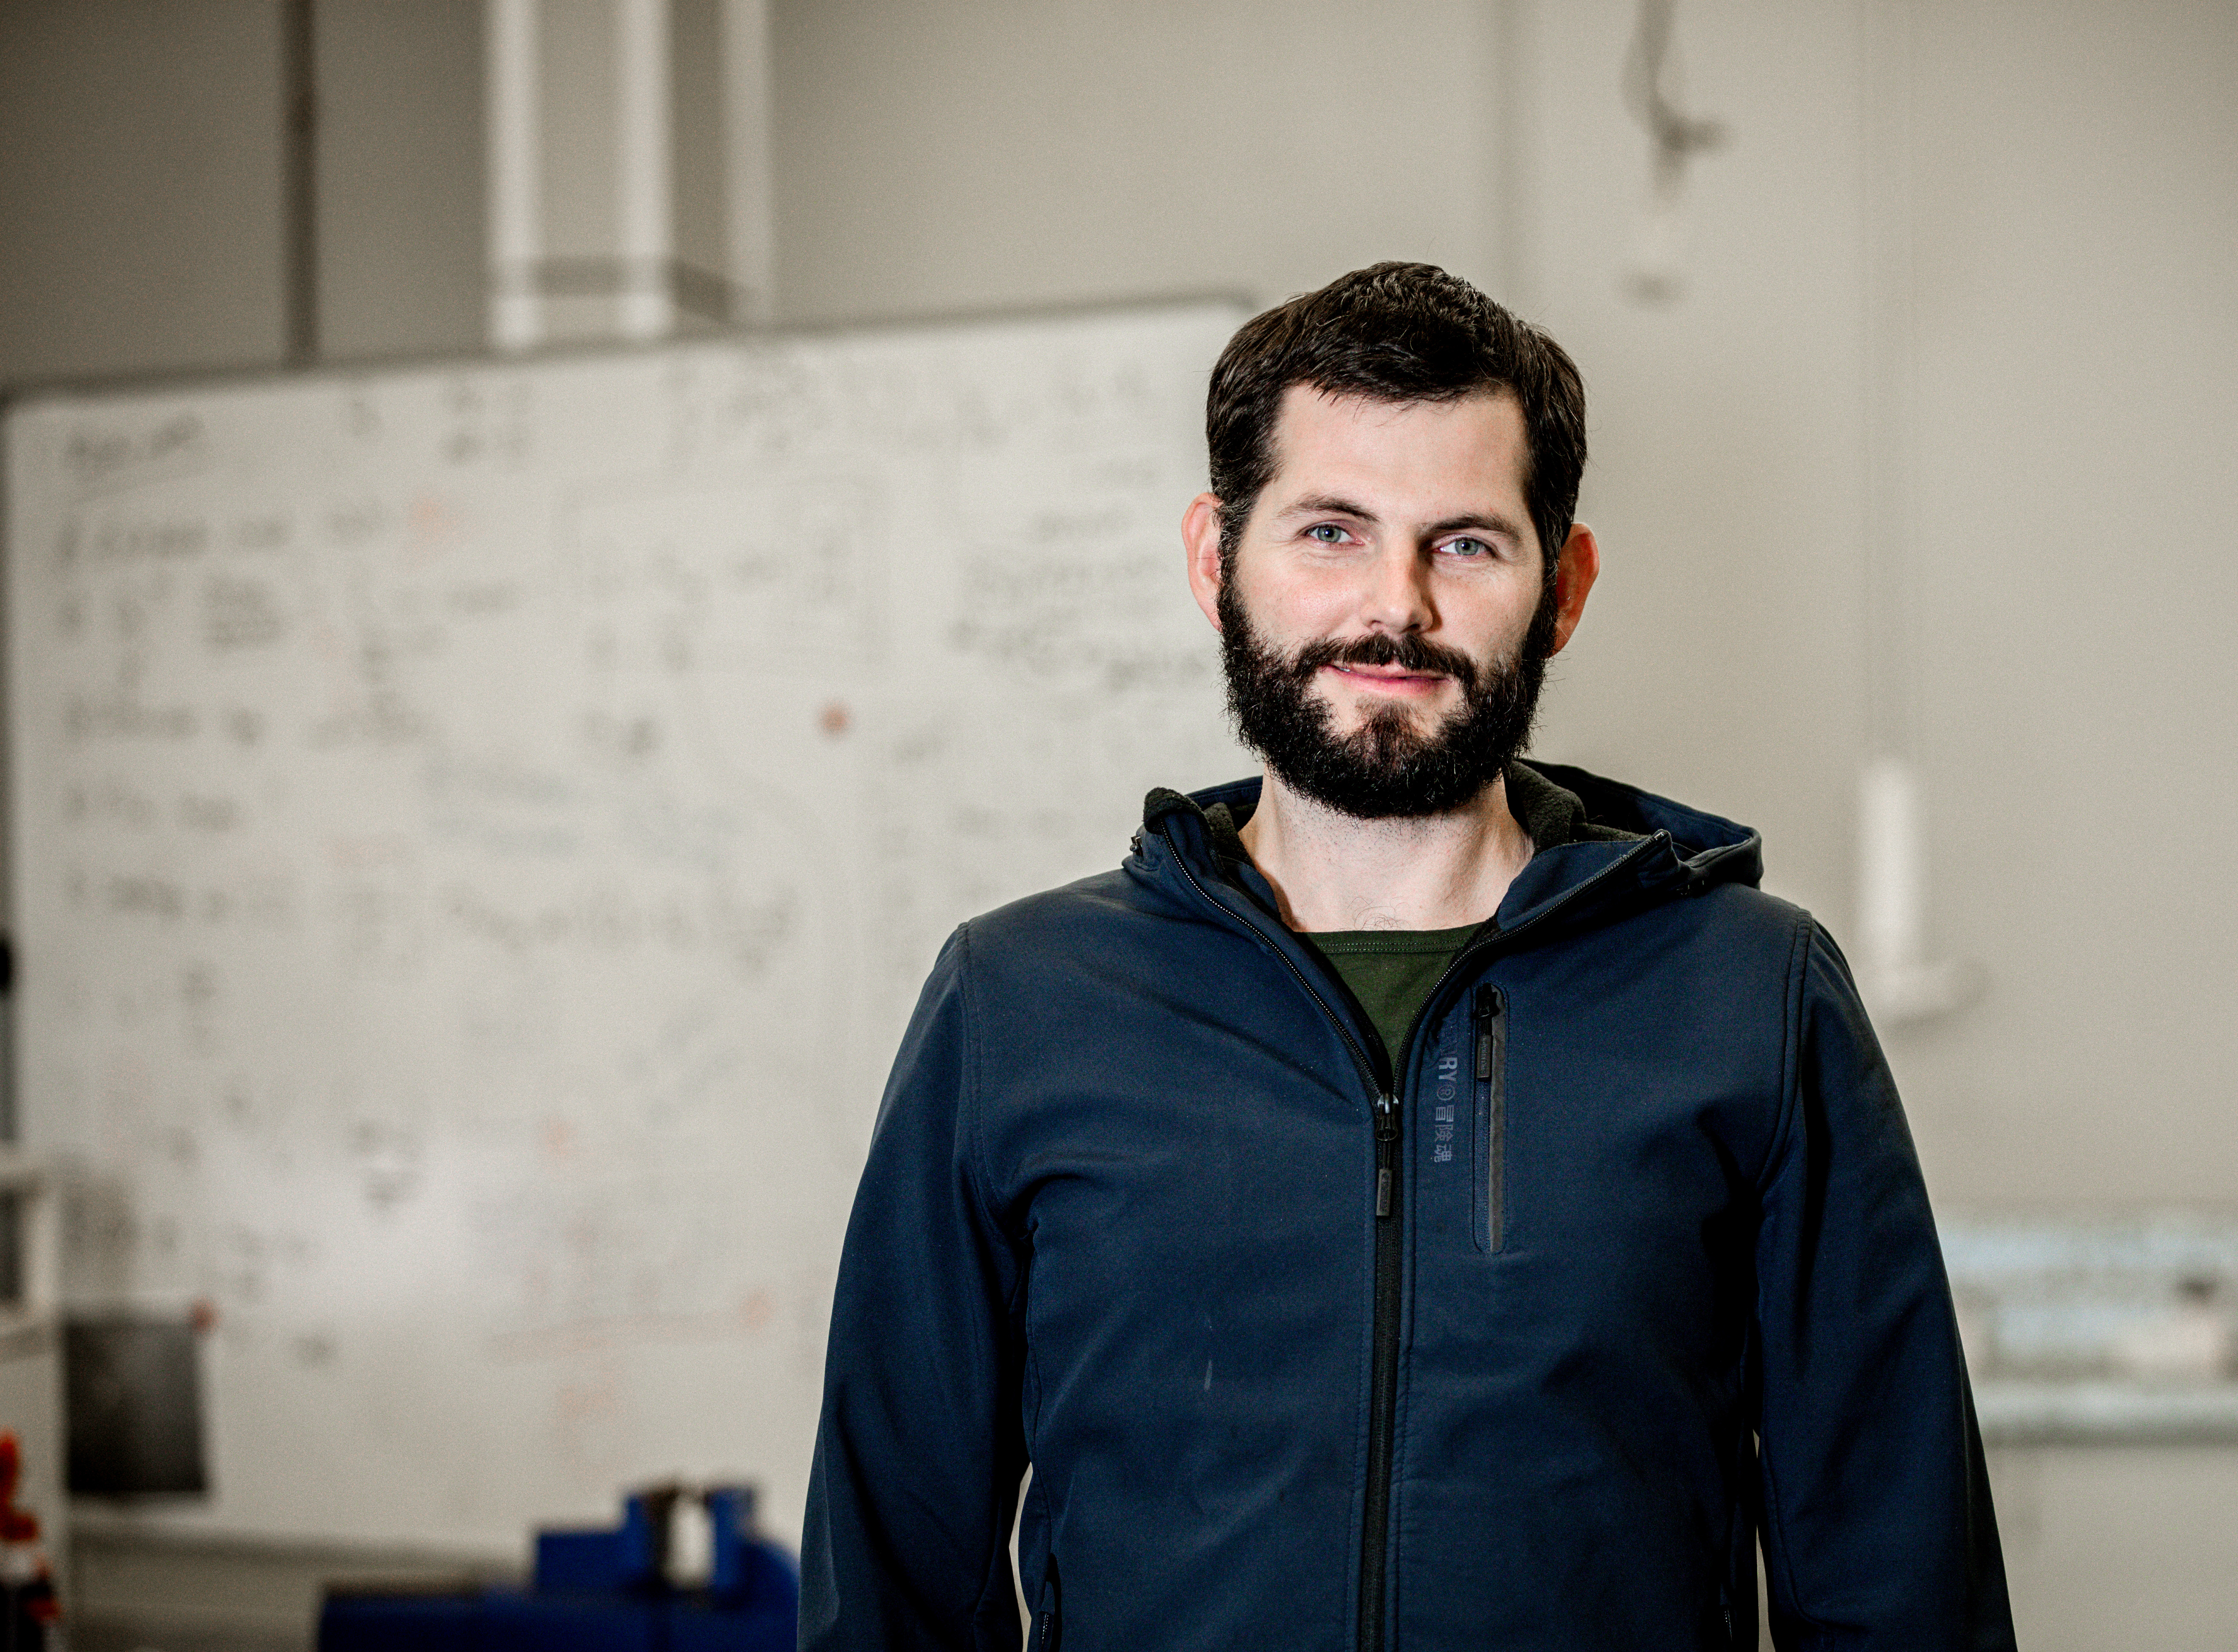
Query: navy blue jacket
pixel 1516 1351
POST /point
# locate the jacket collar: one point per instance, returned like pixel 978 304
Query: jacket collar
pixel 1602 847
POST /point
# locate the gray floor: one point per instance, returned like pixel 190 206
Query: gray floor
pixel 141 1591
pixel 103 1636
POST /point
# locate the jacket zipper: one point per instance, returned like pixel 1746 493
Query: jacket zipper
pixel 1384 1367
pixel 1383 1390
pixel 1489 1019
pixel 1383 1382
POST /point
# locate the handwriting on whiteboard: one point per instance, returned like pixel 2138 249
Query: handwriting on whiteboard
pixel 481 831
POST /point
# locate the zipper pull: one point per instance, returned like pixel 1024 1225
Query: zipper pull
pixel 1489 1006
pixel 1386 1133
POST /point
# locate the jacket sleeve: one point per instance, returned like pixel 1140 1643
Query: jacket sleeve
pixel 919 1449
pixel 1878 1528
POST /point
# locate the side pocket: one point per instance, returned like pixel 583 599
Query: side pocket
pixel 1489 1017
pixel 1718 1631
pixel 1046 1630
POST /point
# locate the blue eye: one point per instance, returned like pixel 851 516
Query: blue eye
pixel 1469 547
pixel 1326 532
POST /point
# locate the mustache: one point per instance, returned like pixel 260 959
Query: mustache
pixel 1408 653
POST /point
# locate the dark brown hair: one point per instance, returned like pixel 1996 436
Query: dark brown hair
pixel 1397 333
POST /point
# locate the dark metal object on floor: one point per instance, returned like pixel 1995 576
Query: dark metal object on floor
pixel 599 1590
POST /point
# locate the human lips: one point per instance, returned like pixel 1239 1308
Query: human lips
pixel 1407 668
pixel 1390 679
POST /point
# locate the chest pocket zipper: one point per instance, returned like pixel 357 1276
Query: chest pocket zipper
pixel 1489 1020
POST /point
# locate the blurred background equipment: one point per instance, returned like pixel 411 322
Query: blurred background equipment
pixel 596 1590
pixel 133 1394
pixel 2084 1329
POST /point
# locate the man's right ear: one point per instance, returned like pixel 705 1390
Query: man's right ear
pixel 1201 540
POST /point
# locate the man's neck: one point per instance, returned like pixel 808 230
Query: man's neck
pixel 1336 871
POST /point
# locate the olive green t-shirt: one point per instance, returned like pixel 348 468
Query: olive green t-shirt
pixel 1391 971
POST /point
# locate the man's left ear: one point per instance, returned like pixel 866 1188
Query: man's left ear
pixel 1574 573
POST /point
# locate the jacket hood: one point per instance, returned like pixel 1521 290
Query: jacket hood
pixel 1602 847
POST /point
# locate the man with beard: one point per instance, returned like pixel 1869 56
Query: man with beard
pixel 1422 1199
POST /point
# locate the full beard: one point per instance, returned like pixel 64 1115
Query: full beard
pixel 1387 769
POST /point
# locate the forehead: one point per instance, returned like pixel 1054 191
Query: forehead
pixel 1471 451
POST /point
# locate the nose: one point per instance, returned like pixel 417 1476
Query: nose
pixel 1397 596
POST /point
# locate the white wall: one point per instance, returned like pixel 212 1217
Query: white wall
pixel 974 154
pixel 1722 657
pixel 141 157
pixel 401 178
pixel 140 177
pixel 2112 1546
pixel 1959 326
pixel 2076 240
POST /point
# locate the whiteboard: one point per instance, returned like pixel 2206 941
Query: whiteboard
pixel 479 831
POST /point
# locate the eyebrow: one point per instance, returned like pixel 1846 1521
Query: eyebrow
pixel 1331 505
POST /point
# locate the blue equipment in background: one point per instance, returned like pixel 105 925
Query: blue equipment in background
pixel 602 1590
